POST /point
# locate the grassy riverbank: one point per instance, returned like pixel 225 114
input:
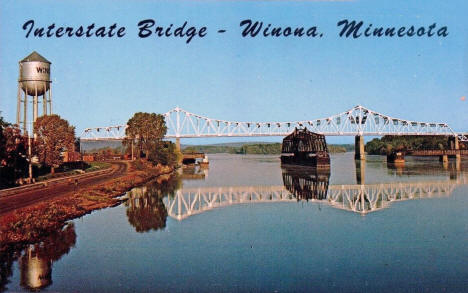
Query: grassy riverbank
pixel 29 225
pixel 92 166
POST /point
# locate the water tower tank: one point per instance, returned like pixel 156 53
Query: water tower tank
pixel 35 74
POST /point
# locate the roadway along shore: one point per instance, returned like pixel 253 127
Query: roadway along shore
pixel 16 198
pixel 27 216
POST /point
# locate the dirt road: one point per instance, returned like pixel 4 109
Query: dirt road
pixel 11 202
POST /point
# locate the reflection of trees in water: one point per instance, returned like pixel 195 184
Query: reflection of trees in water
pixel 194 172
pixel 7 257
pixel 36 260
pixel 306 182
pixel 145 208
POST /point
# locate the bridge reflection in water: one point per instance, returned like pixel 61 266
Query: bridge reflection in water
pixel 313 186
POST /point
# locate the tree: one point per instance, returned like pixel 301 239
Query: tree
pixel 13 145
pixel 146 129
pixel 3 141
pixel 165 153
pixel 54 136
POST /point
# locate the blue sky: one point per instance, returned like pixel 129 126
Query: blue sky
pixel 99 82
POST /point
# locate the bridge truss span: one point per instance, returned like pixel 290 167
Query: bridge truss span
pixel 356 121
pixel 463 137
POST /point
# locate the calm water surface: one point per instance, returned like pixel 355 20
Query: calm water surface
pixel 247 224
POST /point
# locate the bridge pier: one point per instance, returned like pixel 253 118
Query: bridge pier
pixel 181 157
pixel 443 159
pixel 360 172
pixel 359 153
pixel 177 143
pixel 454 145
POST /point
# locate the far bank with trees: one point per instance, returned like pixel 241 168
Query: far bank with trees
pixel 389 143
pixel 254 148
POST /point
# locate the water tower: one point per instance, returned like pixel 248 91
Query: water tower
pixel 34 80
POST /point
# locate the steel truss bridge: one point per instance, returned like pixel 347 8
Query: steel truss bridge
pixel 360 199
pixel 356 121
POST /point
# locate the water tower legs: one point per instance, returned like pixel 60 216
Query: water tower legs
pixel 35 108
pixel 35 112
pixel 50 99
pixel 22 98
pixel 18 106
pixel 25 114
pixel 359 153
pixel 44 105
pixel 44 101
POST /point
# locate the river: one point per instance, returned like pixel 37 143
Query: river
pixel 248 224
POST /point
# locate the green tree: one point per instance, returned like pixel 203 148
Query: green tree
pixel 54 136
pixel 165 153
pixel 13 146
pixel 146 130
pixel 407 142
pixel 3 140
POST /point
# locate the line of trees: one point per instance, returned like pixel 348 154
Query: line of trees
pixel 260 148
pixel 385 145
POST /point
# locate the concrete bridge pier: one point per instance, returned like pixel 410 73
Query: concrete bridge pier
pixel 177 143
pixel 360 172
pixel 443 159
pixel 454 145
pixel 181 157
pixel 359 153
pixel 458 164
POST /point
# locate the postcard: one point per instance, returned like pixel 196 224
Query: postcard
pixel 233 146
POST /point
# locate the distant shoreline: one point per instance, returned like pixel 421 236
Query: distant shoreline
pixel 230 148
pixel 258 148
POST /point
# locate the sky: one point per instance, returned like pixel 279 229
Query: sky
pixel 101 82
